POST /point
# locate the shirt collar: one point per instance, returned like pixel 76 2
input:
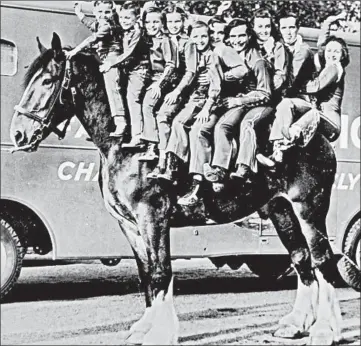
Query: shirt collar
pixel 297 45
pixel 269 45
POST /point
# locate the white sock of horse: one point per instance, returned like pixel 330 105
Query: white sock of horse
pixel 304 310
pixel 165 328
pixel 328 323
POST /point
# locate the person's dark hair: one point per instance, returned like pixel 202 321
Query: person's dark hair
pixel 216 19
pixel 196 25
pixel 107 2
pixel 173 8
pixel 129 5
pixel 283 13
pixel 345 58
pixel 266 13
pixel 197 7
pixel 238 22
pixel 154 10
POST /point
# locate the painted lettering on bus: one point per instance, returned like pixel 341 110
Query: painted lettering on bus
pixel 346 181
pixel 350 131
pixel 81 171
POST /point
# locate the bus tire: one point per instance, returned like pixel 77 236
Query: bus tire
pixel 110 262
pixel 12 254
pixel 267 267
pixel 351 248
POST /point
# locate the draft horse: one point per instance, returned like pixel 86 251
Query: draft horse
pixel 297 201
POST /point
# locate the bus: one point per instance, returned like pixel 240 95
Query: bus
pixel 51 203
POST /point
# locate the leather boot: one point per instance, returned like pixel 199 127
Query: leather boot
pixel 243 172
pixel 194 194
pixel 121 125
pixel 214 174
pixel 171 168
pixel 150 154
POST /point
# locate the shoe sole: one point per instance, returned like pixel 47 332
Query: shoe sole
pixel 212 180
pixel 138 146
pixel 234 176
pixel 187 204
pixel 152 176
pixel 141 159
pixel 265 161
pixel 159 176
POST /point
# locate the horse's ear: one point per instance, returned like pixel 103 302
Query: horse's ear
pixel 56 45
pixel 42 49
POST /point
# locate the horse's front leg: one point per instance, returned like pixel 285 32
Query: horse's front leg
pixel 159 325
pixel 304 311
pixel 140 249
pixel 165 329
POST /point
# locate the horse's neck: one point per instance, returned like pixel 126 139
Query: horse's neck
pixel 93 108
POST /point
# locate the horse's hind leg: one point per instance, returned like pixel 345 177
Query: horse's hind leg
pixel 304 311
pixel 327 328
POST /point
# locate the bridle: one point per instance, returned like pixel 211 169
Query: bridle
pixel 46 121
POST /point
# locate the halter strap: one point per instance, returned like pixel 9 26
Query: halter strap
pixel 30 115
pixel 45 122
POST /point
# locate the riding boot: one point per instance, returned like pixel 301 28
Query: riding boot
pixel 243 172
pixel 194 194
pixel 214 174
pixel 277 155
pixel 150 154
pixel 295 134
pixel 136 142
pixel 171 168
pixel 160 168
pixel 121 124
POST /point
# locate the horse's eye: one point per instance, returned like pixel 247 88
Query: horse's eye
pixel 47 81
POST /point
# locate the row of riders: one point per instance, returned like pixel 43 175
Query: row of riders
pixel 190 95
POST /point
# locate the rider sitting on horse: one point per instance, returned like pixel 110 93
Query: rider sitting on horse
pixel 106 37
pixel 162 54
pixel 253 90
pixel 270 46
pixel 134 64
pixel 301 72
pixel 201 134
pixel 206 86
pixel 186 61
pixel 328 89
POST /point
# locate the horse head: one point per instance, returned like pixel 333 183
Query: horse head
pixel 42 107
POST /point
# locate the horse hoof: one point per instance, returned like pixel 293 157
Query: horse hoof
pixel 322 335
pixel 326 340
pixel 288 332
pixel 135 338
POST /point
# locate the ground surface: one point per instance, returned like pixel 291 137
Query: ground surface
pixel 84 304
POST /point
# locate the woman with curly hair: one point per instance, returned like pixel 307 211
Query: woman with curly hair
pixel 268 43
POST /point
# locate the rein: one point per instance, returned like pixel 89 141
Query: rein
pixel 45 122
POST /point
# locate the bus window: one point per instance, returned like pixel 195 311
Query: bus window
pixel 9 58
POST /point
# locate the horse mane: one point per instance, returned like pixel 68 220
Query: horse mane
pixel 44 58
